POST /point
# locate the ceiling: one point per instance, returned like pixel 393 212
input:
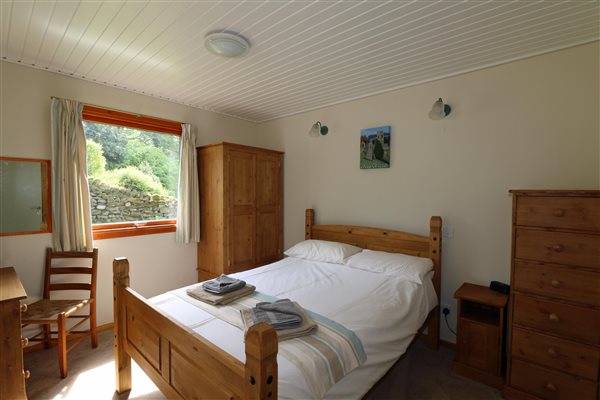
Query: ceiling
pixel 305 54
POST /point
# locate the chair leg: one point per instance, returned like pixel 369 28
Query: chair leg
pixel 47 336
pixel 62 345
pixel 93 328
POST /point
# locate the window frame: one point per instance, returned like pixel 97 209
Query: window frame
pixel 120 118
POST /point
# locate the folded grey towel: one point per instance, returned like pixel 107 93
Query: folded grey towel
pixel 223 284
pixel 219 299
pixel 308 325
pixel 281 314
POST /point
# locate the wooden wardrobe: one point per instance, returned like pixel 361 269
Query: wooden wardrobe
pixel 241 208
pixel 554 330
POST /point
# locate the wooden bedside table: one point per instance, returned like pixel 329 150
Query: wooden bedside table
pixel 480 334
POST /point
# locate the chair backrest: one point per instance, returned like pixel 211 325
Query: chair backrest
pixel 89 271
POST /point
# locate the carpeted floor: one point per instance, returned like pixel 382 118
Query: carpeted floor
pixel 422 374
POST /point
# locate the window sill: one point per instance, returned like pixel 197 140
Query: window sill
pixel 111 231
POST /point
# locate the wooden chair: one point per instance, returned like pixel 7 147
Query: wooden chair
pixel 49 311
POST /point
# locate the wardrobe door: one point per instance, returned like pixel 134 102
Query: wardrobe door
pixel 268 207
pixel 241 224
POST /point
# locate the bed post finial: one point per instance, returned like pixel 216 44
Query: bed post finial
pixel 435 253
pixel 261 362
pixel 310 221
pixel 122 359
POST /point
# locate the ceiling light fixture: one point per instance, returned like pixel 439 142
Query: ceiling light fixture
pixel 317 129
pixel 440 110
pixel 226 44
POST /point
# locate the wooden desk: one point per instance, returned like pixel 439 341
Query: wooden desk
pixel 12 375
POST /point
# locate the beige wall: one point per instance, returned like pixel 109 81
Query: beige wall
pixel 527 124
pixel 158 263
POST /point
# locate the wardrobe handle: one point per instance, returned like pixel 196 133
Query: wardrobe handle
pixel 553 317
pixel 24 342
pixel 23 308
pixel 558 212
pixel 555 283
pixel 26 374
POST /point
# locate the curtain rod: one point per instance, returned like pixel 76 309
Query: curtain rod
pixel 127 112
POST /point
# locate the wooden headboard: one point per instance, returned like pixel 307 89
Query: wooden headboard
pixel 384 240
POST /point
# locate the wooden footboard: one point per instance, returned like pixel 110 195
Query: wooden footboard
pixel 181 363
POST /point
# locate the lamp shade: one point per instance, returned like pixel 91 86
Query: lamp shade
pixel 317 129
pixel 314 130
pixel 440 110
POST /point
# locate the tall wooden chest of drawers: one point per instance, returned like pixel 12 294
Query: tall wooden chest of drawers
pixel 554 312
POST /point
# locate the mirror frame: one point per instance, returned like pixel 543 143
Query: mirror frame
pixel 46 195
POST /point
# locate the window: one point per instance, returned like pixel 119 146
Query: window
pixel 133 171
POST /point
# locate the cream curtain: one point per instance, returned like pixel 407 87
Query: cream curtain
pixel 72 218
pixel 188 204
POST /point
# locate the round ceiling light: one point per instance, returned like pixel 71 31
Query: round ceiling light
pixel 226 44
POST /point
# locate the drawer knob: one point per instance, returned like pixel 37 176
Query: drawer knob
pixel 26 374
pixel 24 342
pixel 555 283
pixel 552 352
pixel 558 212
pixel 23 308
pixel 553 317
pixel 558 248
pixel 550 386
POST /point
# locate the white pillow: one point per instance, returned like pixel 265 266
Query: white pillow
pixel 322 250
pixel 403 266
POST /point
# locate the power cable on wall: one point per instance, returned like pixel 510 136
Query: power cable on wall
pixel 446 311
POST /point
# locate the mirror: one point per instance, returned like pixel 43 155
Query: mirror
pixel 24 196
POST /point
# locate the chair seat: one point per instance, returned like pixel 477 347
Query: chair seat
pixel 45 310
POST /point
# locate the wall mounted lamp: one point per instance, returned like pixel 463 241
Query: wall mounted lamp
pixel 440 110
pixel 317 129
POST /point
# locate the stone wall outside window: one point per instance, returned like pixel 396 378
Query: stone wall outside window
pixel 110 204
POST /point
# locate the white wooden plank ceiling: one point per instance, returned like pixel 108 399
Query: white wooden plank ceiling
pixel 304 55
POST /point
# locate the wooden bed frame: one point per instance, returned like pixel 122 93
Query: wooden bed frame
pixel 184 365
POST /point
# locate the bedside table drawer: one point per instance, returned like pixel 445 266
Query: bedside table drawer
pixel 558 247
pixel 564 355
pixel 571 321
pixel 549 384
pixel 561 283
pixel 559 212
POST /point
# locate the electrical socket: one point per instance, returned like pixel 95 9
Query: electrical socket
pixel 446 307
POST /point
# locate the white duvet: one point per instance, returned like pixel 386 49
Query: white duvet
pixel 384 311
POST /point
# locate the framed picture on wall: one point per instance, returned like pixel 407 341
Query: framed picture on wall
pixel 375 147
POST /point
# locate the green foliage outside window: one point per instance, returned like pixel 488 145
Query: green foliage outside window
pixel 133 159
pixel 157 160
pixel 95 158
pixel 111 138
pixel 132 178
